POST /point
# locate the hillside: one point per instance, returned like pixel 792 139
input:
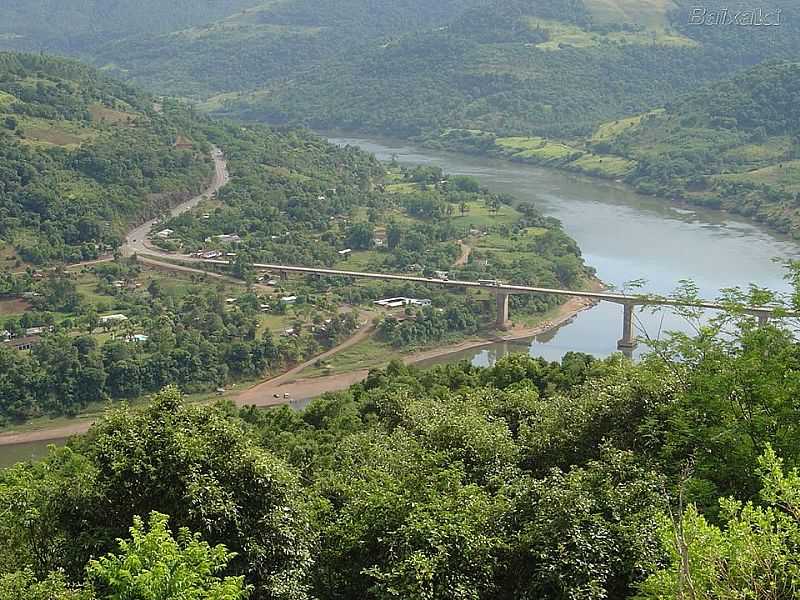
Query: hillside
pixel 734 144
pixel 82 157
pixel 506 68
pixel 421 69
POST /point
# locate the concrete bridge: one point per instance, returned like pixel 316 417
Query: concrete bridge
pixel 503 291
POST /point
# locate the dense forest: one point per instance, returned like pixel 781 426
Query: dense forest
pixel 581 479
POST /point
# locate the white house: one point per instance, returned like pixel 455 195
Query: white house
pixel 165 233
pixel 289 299
pixel 402 301
pixel 118 318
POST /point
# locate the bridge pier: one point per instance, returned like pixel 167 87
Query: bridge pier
pixel 763 319
pixel 284 275
pixel 628 341
pixel 503 322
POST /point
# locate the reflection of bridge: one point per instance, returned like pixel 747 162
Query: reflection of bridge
pixel 503 291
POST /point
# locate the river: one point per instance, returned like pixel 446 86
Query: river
pixel 624 235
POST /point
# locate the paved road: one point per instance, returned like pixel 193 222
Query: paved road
pixel 135 241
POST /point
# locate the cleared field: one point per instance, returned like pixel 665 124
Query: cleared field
pixel 606 165
pixel 652 13
pixel 54 133
pixel 771 151
pixel 569 35
pixel 612 129
pixel 479 215
pixel 14 307
pixel 784 175
pixel 103 114
pixel 6 98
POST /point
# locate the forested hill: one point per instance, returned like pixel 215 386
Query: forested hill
pixel 412 68
pixel 553 68
pixel 735 144
pixel 81 157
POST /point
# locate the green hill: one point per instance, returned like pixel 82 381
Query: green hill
pixel 81 157
pixel 553 68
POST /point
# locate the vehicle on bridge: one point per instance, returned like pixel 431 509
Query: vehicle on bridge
pixel 489 282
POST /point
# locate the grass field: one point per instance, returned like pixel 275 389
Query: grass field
pixel 103 114
pixel 480 216
pixel 651 13
pixel 785 175
pixel 608 166
pixel 568 35
pixel 66 134
pixel 608 131
pixel 773 150
pixel 540 149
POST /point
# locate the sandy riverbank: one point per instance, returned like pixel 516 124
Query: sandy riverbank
pixel 263 394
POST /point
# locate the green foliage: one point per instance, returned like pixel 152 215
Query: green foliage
pixel 23 584
pixel 754 555
pixel 153 565
pixel 70 182
pixel 196 464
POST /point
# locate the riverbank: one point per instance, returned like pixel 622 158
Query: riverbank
pixel 263 394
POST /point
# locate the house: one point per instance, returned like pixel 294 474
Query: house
pixel 165 233
pixel 26 343
pixel 118 284
pixel 118 318
pixel 379 242
pixel 228 238
pixel 346 252
pixel 265 308
pixel 209 254
pixel 6 335
pixel 289 300
pixel 230 300
pixel 402 301
pixel 443 275
pixel 138 338
pixel 31 331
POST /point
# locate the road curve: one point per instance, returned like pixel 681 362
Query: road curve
pixel 136 238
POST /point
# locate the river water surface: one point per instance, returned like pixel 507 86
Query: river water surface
pixel 624 235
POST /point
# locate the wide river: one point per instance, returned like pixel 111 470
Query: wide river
pixel 625 236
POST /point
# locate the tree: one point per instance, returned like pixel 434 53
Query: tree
pixel 153 565
pixel 199 466
pixel 754 556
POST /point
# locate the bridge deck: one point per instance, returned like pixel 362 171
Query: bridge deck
pixel 623 299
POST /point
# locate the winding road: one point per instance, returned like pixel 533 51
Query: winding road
pixel 135 241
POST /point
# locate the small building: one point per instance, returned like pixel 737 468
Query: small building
pixel 118 318
pixel 228 238
pixel 289 300
pixel 138 338
pixel 265 308
pixel 209 254
pixel 230 300
pixel 401 302
pixel 443 275
pixel 6 335
pixel 31 331
pixel 346 252
pixel 165 233
pixel 26 343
